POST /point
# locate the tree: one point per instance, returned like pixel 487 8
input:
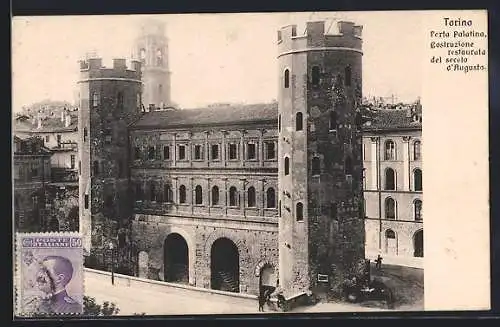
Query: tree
pixel 91 308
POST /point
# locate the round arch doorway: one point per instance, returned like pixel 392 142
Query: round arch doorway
pixel 418 244
pixel 176 259
pixel 225 266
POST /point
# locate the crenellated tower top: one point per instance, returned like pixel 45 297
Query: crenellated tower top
pixel 346 36
pixel 91 68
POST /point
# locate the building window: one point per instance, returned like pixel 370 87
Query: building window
pixel 390 234
pixel 85 134
pixel 182 194
pixel 315 76
pixel 390 179
pixel 233 196
pixel 142 55
pixel 47 138
pixel 151 153
pixel 316 166
pixel 159 57
pixel 390 208
pixel 417 210
pixel 251 197
pixel 333 121
pixel 168 194
pixel 299 211
pixel 72 159
pixel 348 168
pixel 416 150
pixel 348 76
pixel 287 79
pixel 298 121
pixel 58 140
pixel 214 152
pixel 270 150
pixel 160 91
pixel 198 154
pixel 279 208
pixel 96 99
pixel 119 101
pixel 287 166
pixel 215 195
pixel 166 152
pixel 251 151
pixel 86 200
pixel 270 198
pixel 79 167
pixel 137 153
pixel 417 180
pixel 138 192
pixel 358 120
pixel 198 195
pixel 182 152
pixel 96 168
pixel 279 123
pixel 233 151
pixel 152 192
pixel 390 150
pixel 107 135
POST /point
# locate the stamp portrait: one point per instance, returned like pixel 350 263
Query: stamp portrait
pixel 49 274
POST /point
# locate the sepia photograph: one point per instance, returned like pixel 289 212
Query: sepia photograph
pixel 246 163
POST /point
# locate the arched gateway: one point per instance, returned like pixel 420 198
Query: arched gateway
pixel 225 266
pixel 176 259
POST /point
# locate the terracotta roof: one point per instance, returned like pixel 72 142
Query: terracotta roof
pixel 216 115
pixel 48 125
pixel 393 119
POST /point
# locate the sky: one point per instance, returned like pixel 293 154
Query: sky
pixel 213 57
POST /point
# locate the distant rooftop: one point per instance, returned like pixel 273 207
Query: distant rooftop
pixel 385 119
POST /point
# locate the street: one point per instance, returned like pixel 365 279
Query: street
pixel 177 301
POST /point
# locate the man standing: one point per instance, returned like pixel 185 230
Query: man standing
pixel 378 262
pixel 52 278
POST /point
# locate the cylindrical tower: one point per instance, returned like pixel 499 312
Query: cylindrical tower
pixel 110 100
pixel 151 48
pixel 321 232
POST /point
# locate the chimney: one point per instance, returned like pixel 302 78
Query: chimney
pixel 67 121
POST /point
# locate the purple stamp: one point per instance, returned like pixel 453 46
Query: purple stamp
pixel 49 274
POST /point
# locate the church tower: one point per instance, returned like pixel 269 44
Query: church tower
pixel 321 231
pixel 110 100
pixel 151 48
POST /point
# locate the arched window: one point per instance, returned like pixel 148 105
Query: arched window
pixel 279 123
pixel 251 196
pixel 96 99
pixel 390 208
pixel 271 198
pixel 333 121
pixel 417 210
pixel 390 179
pixel 96 168
pixel 416 150
pixel 198 194
pixel 286 81
pixel 390 150
pixel 182 194
pixel 298 121
pixel 138 192
pixel 119 100
pixel 159 57
pixel 299 211
pixel 168 194
pixel 316 166
pixel 233 196
pixel 85 134
pixel 315 75
pixel 417 180
pixel 348 168
pixel 348 76
pixel 287 166
pixel 142 55
pixel 152 192
pixel 390 234
pixel 215 195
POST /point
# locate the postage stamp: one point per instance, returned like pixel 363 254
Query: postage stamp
pixel 49 274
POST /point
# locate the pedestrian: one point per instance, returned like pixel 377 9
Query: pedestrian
pixel 378 262
pixel 262 300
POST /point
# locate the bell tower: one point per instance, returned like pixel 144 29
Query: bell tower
pixel 151 48
pixel 321 231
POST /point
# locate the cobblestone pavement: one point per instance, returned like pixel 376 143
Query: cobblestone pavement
pixel 176 301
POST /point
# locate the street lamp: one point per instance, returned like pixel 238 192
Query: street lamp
pixel 111 247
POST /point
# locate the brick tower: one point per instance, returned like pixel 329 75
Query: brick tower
pixel 321 233
pixel 110 99
pixel 151 48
